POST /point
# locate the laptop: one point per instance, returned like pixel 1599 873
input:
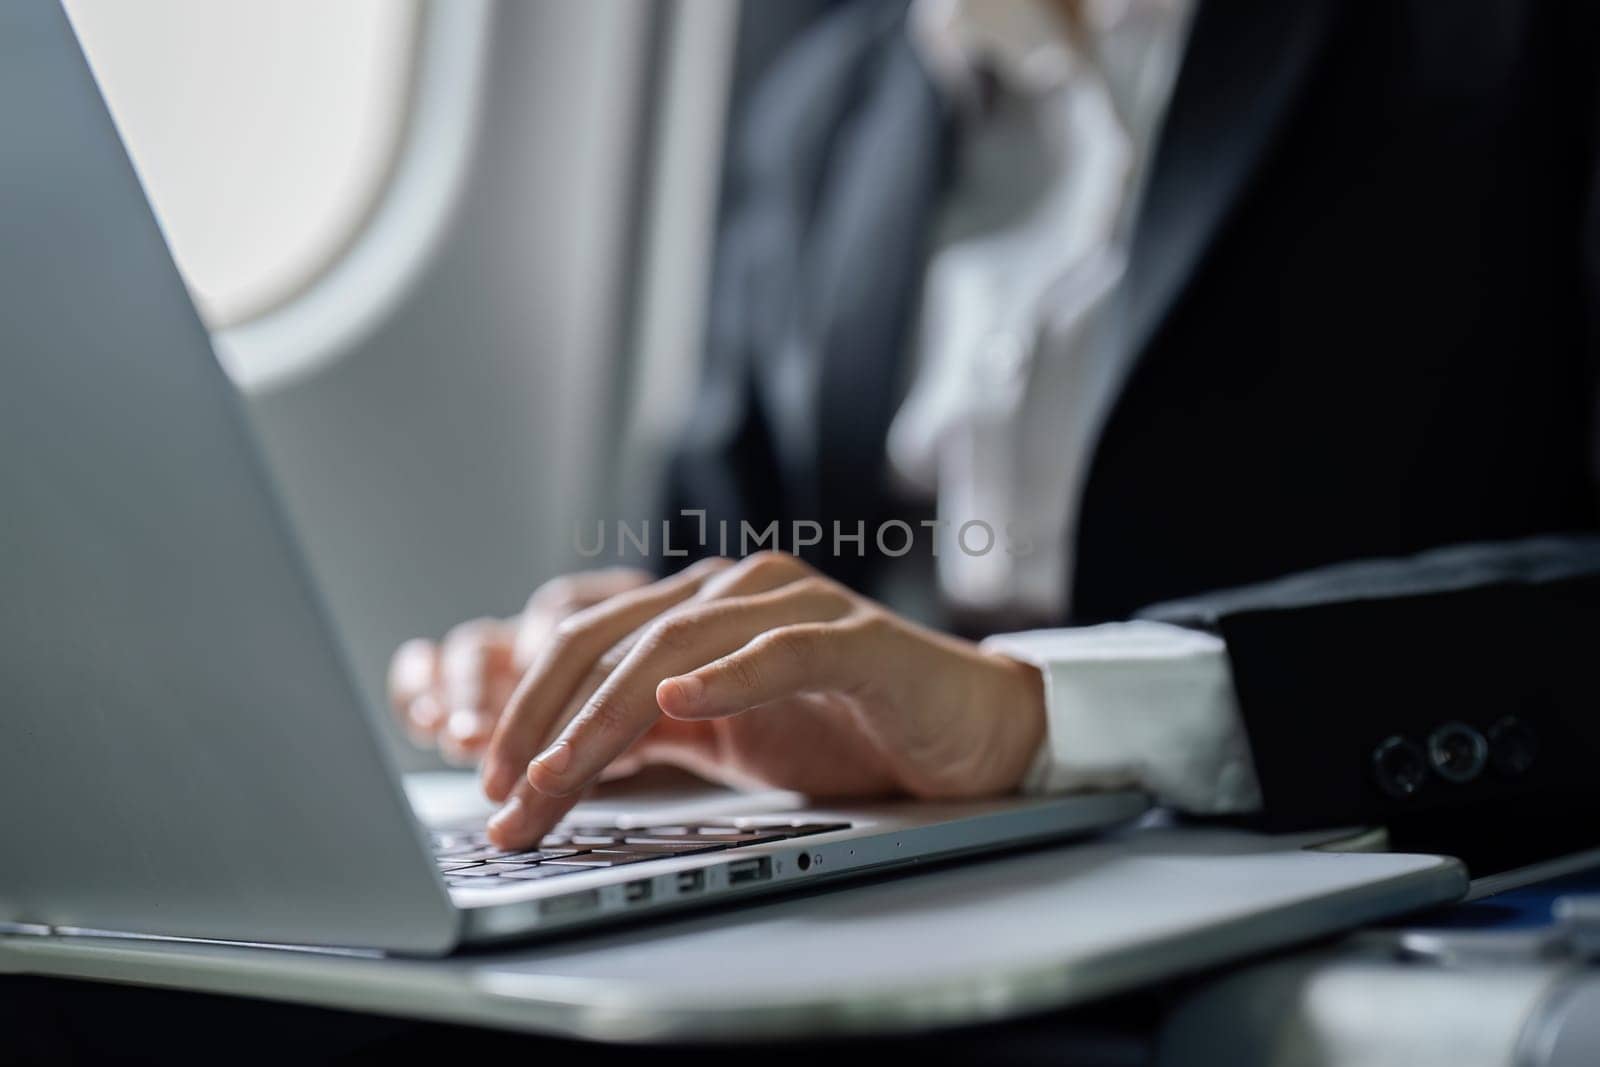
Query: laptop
pixel 185 753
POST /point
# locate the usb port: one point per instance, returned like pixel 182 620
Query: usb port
pixel 635 892
pixel 691 881
pixel 744 872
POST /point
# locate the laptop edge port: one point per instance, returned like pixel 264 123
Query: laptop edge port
pixel 691 881
pixel 569 903
pixel 743 872
pixel 637 892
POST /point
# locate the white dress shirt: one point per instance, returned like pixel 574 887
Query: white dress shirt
pixel 1010 384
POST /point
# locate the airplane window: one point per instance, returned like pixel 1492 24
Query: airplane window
pixel 263 132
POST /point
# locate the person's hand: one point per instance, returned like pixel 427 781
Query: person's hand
pixel 758 673
pixel 451 693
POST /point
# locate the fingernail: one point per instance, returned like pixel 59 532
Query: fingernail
pixel 510 814
pixel 555 759
pixel 680 694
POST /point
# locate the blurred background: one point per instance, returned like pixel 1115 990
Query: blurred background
pixel 454 253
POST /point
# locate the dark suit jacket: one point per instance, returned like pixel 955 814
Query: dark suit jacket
pixel 1361 310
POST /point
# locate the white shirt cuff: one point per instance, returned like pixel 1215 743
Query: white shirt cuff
pixel 1139 704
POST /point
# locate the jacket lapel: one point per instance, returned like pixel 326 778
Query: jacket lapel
pixel 1245 63
pixel 864 270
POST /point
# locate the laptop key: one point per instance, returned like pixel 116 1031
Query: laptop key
pixel 804 829
pixel 744 835
pixel 663 848
pixel 487 870
pixel 602 859
pixel 720 840
pixel 472 854
pixel 541 855
pixel 592 839
pixel 543 870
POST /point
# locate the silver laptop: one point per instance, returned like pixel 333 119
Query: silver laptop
pixel 183 752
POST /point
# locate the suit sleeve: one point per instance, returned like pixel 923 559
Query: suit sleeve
pixel 1460 679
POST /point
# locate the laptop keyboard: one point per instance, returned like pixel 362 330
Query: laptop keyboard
pixel 466 858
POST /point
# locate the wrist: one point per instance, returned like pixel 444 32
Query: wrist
pixel 1019 718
